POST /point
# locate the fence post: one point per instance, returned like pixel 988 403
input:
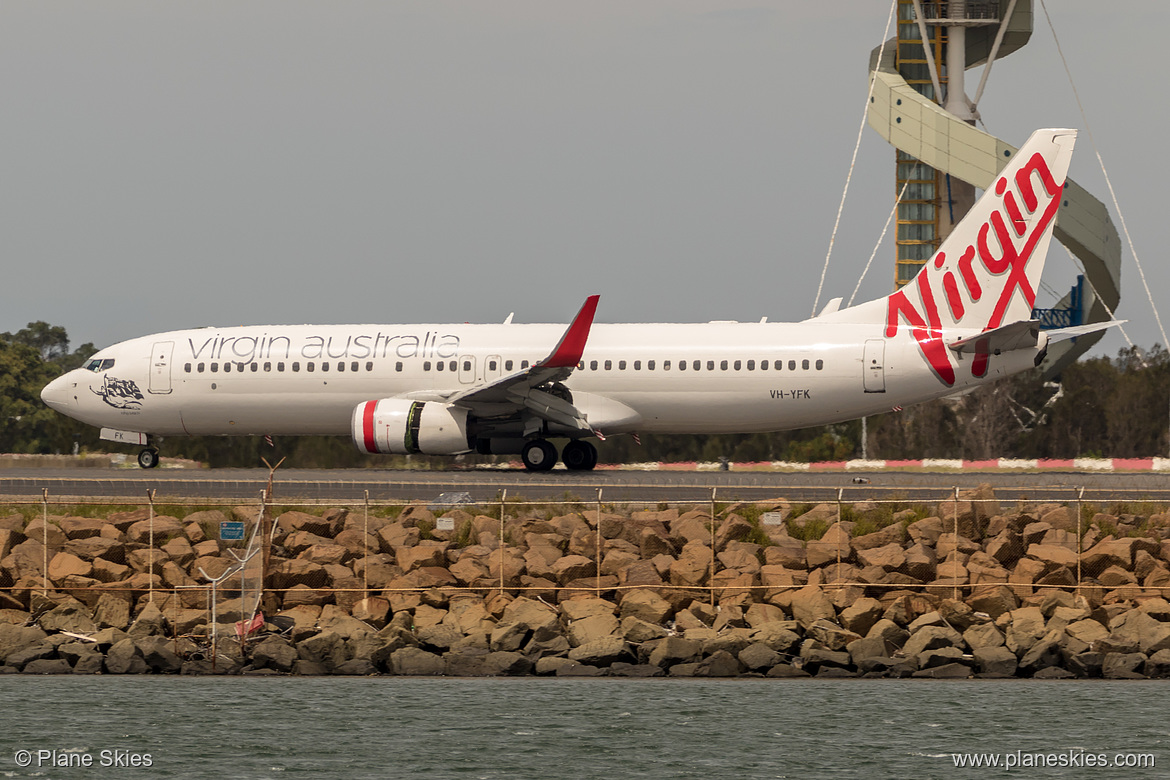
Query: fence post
pixel 45 539
pixel 597 546
pixel 366 543
pixel 150 580
pixel 955 567
pixel 840 496
pixel 711 576
pixel 1080 536
pixel 500 545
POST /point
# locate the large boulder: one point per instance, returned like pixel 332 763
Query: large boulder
pixel 675 650
pixel 159 654
pixel 276 653
pixel 601 652
pixel 646 605
pixel 996 661
pixel 415 661
pixel 932 638
pixel 125 657
pixel 1025 627
pixel 833 547
pixel 71 616
pixel 810 604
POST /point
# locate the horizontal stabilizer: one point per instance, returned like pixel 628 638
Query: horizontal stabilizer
pixel 1023 334
pixel 1064 334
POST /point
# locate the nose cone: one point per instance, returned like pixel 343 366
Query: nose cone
pixel 59 394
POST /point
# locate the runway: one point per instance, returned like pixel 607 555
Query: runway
pixel 350 485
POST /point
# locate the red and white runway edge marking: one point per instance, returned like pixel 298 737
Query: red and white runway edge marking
pixel 934 464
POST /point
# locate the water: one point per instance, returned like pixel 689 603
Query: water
pixel 350 728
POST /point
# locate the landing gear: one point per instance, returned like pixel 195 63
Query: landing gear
pixel 148 458
pixel 579 455
pixel 539 455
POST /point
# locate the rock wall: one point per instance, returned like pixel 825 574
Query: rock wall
pixel 958 589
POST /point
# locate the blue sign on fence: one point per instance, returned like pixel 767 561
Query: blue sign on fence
pixel 231 531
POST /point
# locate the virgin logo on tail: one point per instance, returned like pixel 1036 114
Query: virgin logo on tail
pixel 977 295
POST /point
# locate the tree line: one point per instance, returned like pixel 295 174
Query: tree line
pixel 1102 407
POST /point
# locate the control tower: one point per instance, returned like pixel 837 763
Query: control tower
pixel 920 105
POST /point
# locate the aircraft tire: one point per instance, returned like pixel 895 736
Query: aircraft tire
pixel 579 455
pixel 148 458
pixel 539 455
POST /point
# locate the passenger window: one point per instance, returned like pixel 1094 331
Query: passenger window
pixel 280 367
pixel 791 365
pixel 427 365
pixel 267 367
pixel 215 368
pixel 324 365
pixel 227 368
pixel 710 365
pixel 804 364
pixel 466 365
pixel 507 365
pixel 187 367
pixel 309 366
pixel 682 365
pixel 451 365
pixel 440 366
pixel 637 365
pixel 820 364
pixel 650 365
pixel 778 365
pixel 398 366
pixel 592 365
pixel 763 365
pixel 296 367
pixel 354 366
pixel 608 365
pixel 697 364
pixel 621 365
pixel 751 365
pixel 340 365
pixel 255 367
pixel 523 364
pixel 723 365
pixel 492 365
pixel 665 365
pixel 199 368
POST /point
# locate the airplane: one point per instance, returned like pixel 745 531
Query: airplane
pixel 965 320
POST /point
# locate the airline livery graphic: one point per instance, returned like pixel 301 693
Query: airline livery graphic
pixel 120 393
pixel 1004 259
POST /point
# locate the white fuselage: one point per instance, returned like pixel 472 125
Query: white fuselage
pixel 291 380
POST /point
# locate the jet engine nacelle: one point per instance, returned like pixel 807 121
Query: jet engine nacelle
pixel 404 427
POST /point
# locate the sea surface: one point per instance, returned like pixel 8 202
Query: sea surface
pixel 394 727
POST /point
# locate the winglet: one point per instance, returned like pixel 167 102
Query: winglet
pixel 571 346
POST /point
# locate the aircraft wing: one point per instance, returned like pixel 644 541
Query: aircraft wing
pixel 522 389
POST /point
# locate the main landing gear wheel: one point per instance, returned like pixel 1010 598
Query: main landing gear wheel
pixel 579 455
pixel 539 455
pixel 148 458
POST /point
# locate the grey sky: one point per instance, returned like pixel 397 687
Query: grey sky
pixel 178 164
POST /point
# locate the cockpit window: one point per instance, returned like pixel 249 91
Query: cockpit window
pixel 98 364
